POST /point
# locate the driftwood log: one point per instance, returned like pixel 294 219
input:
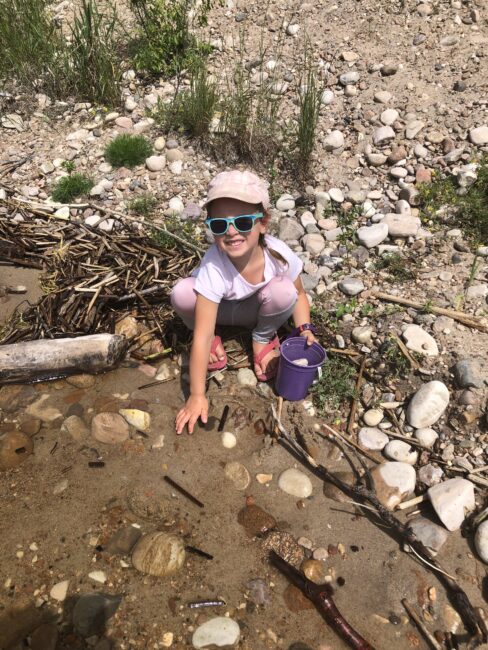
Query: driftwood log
pixel 50 358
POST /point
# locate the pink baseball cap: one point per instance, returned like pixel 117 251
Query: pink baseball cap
pixel 244 186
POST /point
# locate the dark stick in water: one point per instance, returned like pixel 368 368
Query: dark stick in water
pixel 321 597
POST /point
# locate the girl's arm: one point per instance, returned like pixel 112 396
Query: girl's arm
pixel 301 313
pixel 197 405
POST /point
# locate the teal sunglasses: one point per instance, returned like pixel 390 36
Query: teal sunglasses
pixel 242 223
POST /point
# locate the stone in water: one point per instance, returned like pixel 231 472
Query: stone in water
pixel 296 483
pixel 219 631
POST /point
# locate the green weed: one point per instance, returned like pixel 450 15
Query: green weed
pixel 336 385
pixel 31 44
pixel 190 110
pixel 128 150
pixel 398 268
pixel 396 365
pixel 166 44
pixel 185 229
pixel 469 210
pixel 143 205
pixel 93 52
pixel 70 187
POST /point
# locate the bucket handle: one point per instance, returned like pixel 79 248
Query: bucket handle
pixel 318 377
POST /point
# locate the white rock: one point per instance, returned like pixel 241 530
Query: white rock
pixel 427 405
pixel 393 482
pixel 351 286
pixel 59 591
pixel 322 198
pixel 130 104
pixel 285 202
pixel 98 576
pixel 401 225
pixel 413 128
pixel 336 194
pixel 160 143
pixel 372 417
pixel 371 236
pixel 362 334
pixel 62 213
pixel 426 437
pixel 389 116
pixel 327 97
pixel 452 500
pixel 155 163
pixel 246 377
pixel 13 121
pixel 479 135
pixel 238 474
pixel 383 134
pixel 401 451
pixel 81 134
pixel 382 97
pixel 176 205
pixel 219 631
pixel 372 438
pixel 228 440
pixel 294 482
pixel 292 30
pixel 420 341
pixel 349 78
pixel 314 243
pixel 481 540
pixel 334 140
pixel 307 219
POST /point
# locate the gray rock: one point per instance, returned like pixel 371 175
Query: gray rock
pixel 290 229
pixel 468 373
pixel 413 128
pixel 389 69
pixel 362 334
pixel 314 244
pixel 285 202
pixel 123 540
pixel 336 194
pixel 371 236
pixel 452 500
pixel 389 116
pixel 351 286
pixel 383 134
pixel 481 540
pixel 349 78
pixel 402 225
pixel 376 159
pixel 431 535
pixel 246 377
pixel 420 341
pixel 427 405
pixel 430 475
pixel 155 163
pixel 382 97
pixel 327 97
pixel 92 611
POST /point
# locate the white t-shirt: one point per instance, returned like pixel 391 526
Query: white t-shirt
pixel 218 279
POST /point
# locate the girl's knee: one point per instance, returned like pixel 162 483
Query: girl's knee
pixel 183 297
pixel 278 295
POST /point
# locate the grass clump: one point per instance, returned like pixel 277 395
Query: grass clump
pixel 191 110
pixel 70 187
pixel 185 229
pixel 93 53
pixel 336 385
pixel 128 151
pixel 468 210
pixel 143 205
pixel 166 44
pixel 396 266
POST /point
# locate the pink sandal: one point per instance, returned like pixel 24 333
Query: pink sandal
pixel 274 344
pixel 219 364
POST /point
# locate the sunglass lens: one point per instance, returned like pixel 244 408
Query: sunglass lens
pixel 244 224
pixel 218 226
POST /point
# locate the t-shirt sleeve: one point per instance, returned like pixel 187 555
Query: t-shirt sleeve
pixel 295 264
pixel 210 282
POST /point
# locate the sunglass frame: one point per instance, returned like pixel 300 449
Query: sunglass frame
pixel 232 220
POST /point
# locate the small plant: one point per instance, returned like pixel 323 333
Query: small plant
pixel 166 44
pixel 93 64
pixel 68 165
pixel 128 150
pixel 336 385
pixel 143 205
pixel 70 187
pixel 396 364
pixel 396 266
pixel 191 110
pixel 346 220
pixel 308 117
pixel 366 310
pixel 184 229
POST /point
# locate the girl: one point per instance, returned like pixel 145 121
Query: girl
pixel 246 278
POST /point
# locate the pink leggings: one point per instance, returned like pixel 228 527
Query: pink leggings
pixel 263 312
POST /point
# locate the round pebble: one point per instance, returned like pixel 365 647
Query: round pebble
pixel 228 440
pixel 294 482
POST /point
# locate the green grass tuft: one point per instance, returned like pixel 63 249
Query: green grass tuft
pixel 70 187
pixel 336 385
pixel 398 267
pixel 128 151
pixel 143 205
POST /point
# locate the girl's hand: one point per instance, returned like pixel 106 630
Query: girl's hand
pixel 195 407
pixel 307 334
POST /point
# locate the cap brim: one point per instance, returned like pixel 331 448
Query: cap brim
pixel 246 197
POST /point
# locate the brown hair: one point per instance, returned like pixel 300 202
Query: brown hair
pixel 263 244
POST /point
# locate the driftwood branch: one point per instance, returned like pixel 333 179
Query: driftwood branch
pixel 459 316
pixel 471 618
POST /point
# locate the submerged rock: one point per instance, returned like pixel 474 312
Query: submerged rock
pixel 92 611
pixel 255 520
pixel 15 447
pixel 159 554
pixel 294 482
pixel 219 631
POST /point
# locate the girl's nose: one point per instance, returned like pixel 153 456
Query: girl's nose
pixel 232 230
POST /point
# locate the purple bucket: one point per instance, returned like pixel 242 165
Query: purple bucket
pixel 292 380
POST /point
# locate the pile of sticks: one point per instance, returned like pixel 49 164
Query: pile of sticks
pixel 91 277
